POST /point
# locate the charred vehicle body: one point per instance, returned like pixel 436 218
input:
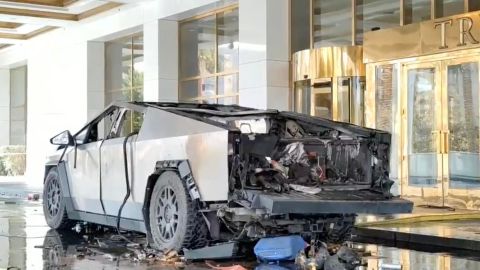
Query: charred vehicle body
pixel 188 174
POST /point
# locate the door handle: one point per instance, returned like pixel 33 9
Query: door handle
pixel 438 141
pixel 446 143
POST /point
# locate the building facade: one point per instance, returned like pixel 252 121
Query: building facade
pixel 409 67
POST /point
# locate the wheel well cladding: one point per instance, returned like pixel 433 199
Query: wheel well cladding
pixel 182 167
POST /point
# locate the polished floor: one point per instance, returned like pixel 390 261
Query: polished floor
pixel 27 243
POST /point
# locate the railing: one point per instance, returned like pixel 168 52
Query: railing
pixel 12 160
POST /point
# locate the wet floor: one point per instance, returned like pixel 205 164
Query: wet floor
pixel 27 243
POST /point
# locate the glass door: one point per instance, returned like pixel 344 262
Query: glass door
pixel 461 131
pixel 441 132
pixel 321 99
pixel 422 174
pixel 302 96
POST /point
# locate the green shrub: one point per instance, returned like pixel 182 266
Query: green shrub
pixel 12 160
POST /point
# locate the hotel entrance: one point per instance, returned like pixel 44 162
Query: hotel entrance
pixel 423 86
pixel 441 131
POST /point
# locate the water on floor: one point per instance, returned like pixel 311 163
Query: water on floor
pixel 27 243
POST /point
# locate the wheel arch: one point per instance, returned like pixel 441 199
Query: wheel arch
pixel 48 167
pixel 184 170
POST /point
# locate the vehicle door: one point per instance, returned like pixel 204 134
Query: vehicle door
pixel 114 187
pixel 84 162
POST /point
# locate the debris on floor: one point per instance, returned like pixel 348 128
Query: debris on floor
pixel 33 196
pixel 216 267
pixel 328 258
pixel 219 251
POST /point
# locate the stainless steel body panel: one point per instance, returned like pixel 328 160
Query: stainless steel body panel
pixel 168 136
pixel 84 180
pixel 114 187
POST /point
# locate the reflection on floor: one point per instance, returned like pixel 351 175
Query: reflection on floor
pixel 27 243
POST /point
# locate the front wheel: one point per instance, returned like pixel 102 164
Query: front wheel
pixel 54 208
pixel 175 222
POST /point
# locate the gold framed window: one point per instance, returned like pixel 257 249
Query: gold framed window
pixel 208 54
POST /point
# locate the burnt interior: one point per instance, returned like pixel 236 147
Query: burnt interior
pixel 294 151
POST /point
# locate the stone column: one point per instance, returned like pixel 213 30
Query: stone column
pixel 160 39
pixel 264 53
pixel 95 78
pixel 4 107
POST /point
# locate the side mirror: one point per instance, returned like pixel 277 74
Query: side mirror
pixel 64 138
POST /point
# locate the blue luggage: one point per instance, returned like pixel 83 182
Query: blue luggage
pixel 283 248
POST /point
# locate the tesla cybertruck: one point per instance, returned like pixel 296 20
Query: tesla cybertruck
pixel 188 175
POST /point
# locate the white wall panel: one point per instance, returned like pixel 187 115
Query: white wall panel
pixel 4 107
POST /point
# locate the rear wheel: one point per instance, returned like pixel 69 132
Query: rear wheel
pixel 175 222
pixel 54 208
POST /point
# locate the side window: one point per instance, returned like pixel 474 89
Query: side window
pixel 116 124
pixel 130 121
pixel 99 130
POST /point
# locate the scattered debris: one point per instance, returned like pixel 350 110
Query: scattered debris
pixel 233 267
pixel 110 257
pixel 33 196
pixel 337 258
pixel 305 189
pixel 220 251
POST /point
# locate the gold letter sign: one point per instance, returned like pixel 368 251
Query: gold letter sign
pixel 466 33
pixel 443 37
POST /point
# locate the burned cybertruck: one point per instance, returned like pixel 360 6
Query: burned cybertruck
pixel 191 174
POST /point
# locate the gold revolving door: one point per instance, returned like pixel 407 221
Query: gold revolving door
pixel 329 82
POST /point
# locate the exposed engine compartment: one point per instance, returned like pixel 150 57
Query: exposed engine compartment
pixel 280 153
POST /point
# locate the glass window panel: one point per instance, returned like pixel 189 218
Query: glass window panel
pixel 380 14
pixel 357 101
pixel 322 100
pixel 228 100
pixel 132 122
pixel 208 87
pixel 18 106
pixel 228 85
pixel 137 58
pixel 302 97
pixel 197 47
pixel 385 87
pixel 463 125
pixel 422 154
pixel 188 90
pixel 451 7
pixel 124 69
pixel 200 40
pixel 332 22
pixel 343 100
pixel 300 25
pixel 227 30
pixel 420 10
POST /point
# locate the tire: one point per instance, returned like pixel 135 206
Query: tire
pixel 54 208
pixel 175 222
